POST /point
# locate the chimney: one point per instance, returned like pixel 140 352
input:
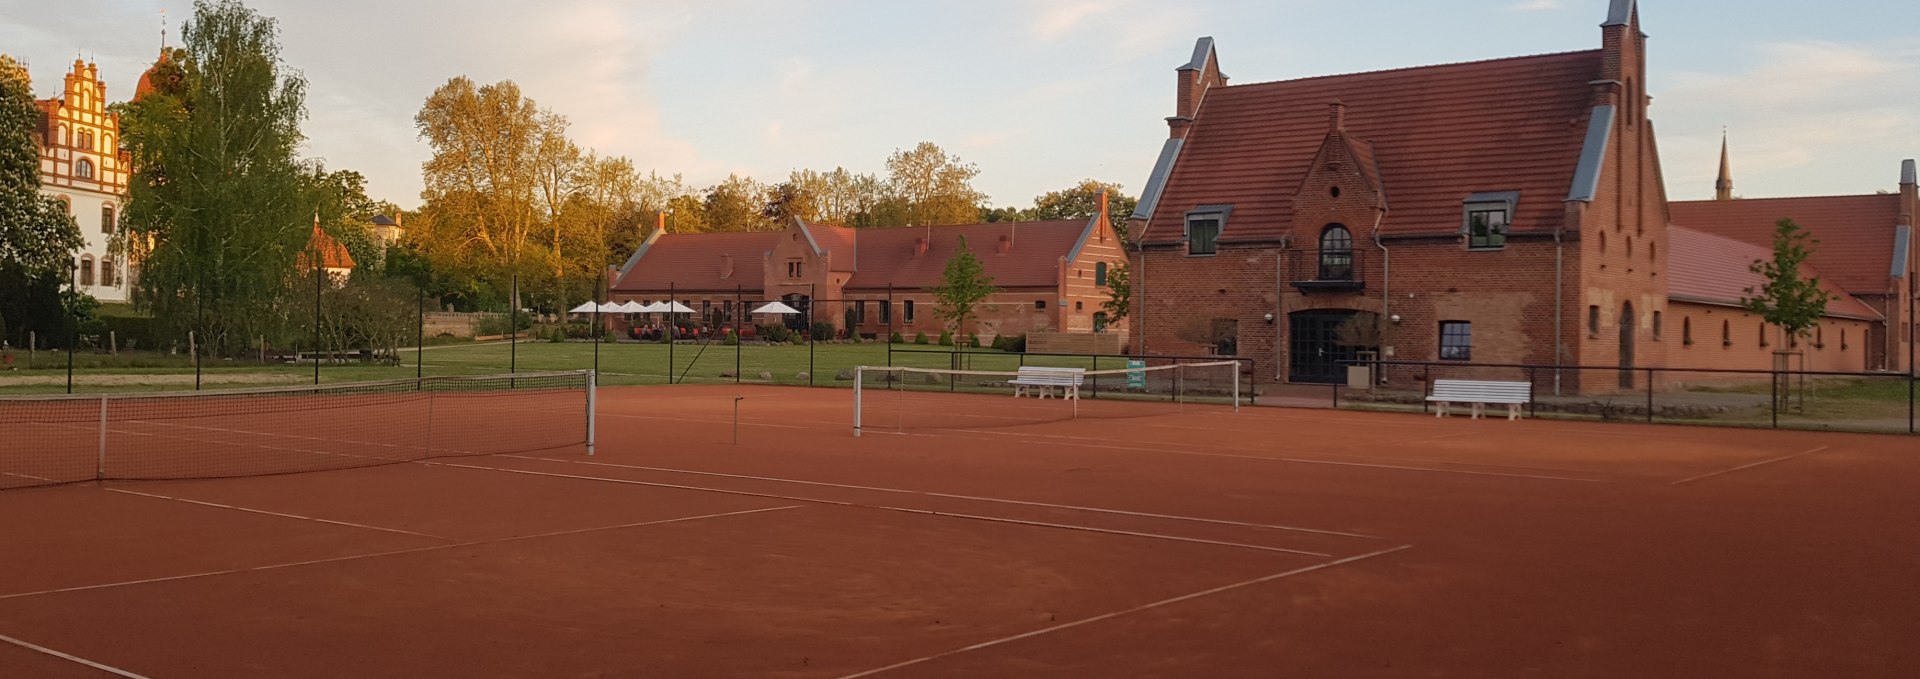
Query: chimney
pixel 1191 83
pixel 1006 243
pixel 726 266
pixel 660 221
pixel 1104 219
pixel 920 247
pixel 1337 117
pixel 1908 190
pixel 398 218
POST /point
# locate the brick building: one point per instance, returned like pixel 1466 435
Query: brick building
pixel 1502 211
pixel 1051 275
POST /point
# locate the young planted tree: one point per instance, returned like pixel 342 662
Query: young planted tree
pixel 1119 303
pixel 963 288
pixel 1788 301
pixel 217 192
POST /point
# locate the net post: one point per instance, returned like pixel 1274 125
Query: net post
pixel 1236 386
pixel 859 377
pixel 100 464
pixel 592 381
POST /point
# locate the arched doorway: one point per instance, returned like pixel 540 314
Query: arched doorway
pixel 1629 327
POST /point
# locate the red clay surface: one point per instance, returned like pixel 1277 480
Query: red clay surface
pixel 1197 543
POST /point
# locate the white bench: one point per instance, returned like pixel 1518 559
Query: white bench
pixel 1479 394
pixel 1043 381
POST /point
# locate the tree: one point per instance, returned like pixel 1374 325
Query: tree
pixel 737 204
pixel 933 186
pixel 1082 201
pixel 216 191
pixel 37 236
pixel 482 182
pixel 1788 301
pixel 340 199
pixel 1119 303
pixel 962 288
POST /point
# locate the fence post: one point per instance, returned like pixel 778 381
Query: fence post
pixel 1773 402
pixel 100 466
pixel 1912 381
pixel 1096 373
pixel 1533 394
pixel 1426 387
pixel 739 309
pixel 592 379
pixel 420 344
pixel 670 331
pixel 1649 395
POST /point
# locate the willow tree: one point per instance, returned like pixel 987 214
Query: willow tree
pixel 215 209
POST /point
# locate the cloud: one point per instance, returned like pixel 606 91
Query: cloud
pixel 1537 5
pixel 1063 17
pixel 1807 117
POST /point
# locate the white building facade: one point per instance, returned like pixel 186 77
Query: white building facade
pixel 83 167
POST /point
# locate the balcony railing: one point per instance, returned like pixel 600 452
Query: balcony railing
pixel 1327 270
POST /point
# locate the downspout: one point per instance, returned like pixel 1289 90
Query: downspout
pixel 1386 288
pixel 1138 304
pixel 1559 346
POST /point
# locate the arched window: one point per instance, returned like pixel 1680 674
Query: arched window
pixel 1100 274
pixel 83 168
pixel 86 270
pixel 86 140
pixel 64 139
pixel 107 144
pixel 107 275
pixel 1336 254
pixel 106 219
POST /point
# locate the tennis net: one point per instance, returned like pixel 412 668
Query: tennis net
pixel 49 440
pixel 894 399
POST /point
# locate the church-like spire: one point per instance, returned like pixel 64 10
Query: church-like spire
pixel 1723 187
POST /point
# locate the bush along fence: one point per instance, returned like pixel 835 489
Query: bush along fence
pixel 1873 402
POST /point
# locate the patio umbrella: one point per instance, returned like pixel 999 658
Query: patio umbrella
pixel 677 308
pixel 611 308
pixel 776 308
pixel 632 307
pixel 584 308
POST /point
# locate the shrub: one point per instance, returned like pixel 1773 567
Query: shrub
pixel 796 340
pixel 728 338
pixel 920 338
pixel 895 338
pixel 135 331
pixel 557 335
pixel 1015 344
pixel 499 324
pixel 822 331
pixel 946 338
pixel 776 333
pixel 973 341
pixel 853 336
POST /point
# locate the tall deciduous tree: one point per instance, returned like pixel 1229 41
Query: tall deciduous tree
pixel 216 191
pixel 482 182
pixel 1119 302
pixel 963 287
pixel 738 204
pixel 1787 300
pixel 1082 200
pixel 934 187
pixel 37 236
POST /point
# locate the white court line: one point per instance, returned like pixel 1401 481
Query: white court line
pixel 279 514
pixel 1096 510
pixel 416 550
pixel 1136 609
pixel 905 510
pixel 976 434
pixel 1749 465
pixel 72 658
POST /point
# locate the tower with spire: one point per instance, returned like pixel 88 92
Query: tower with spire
pixel 1723 187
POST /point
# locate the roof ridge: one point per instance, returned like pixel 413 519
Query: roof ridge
pixel 1744 199
pixel 1452 64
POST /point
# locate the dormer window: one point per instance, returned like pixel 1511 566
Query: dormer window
pixel 1204 225
pixel 1486 217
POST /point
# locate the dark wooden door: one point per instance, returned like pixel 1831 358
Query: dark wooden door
pixel 1314 355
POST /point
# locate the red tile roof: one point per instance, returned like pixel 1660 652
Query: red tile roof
pixel 695 261
pixel 333 255
pixel 1855 232
pixel 887 255
pixel 1703 267
pixel 878 258
pixel 1438 134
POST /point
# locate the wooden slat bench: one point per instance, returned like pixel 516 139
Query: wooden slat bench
pixel 1479 393
pixel 1045 380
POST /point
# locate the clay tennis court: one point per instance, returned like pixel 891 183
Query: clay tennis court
pixel 960 541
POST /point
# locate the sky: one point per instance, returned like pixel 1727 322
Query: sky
pixel 1038 93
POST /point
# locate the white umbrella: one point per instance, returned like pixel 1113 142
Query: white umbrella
pixel 611 308
pixel 678 308
pixel 632 307
pixel 584 308
pixel 776 308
